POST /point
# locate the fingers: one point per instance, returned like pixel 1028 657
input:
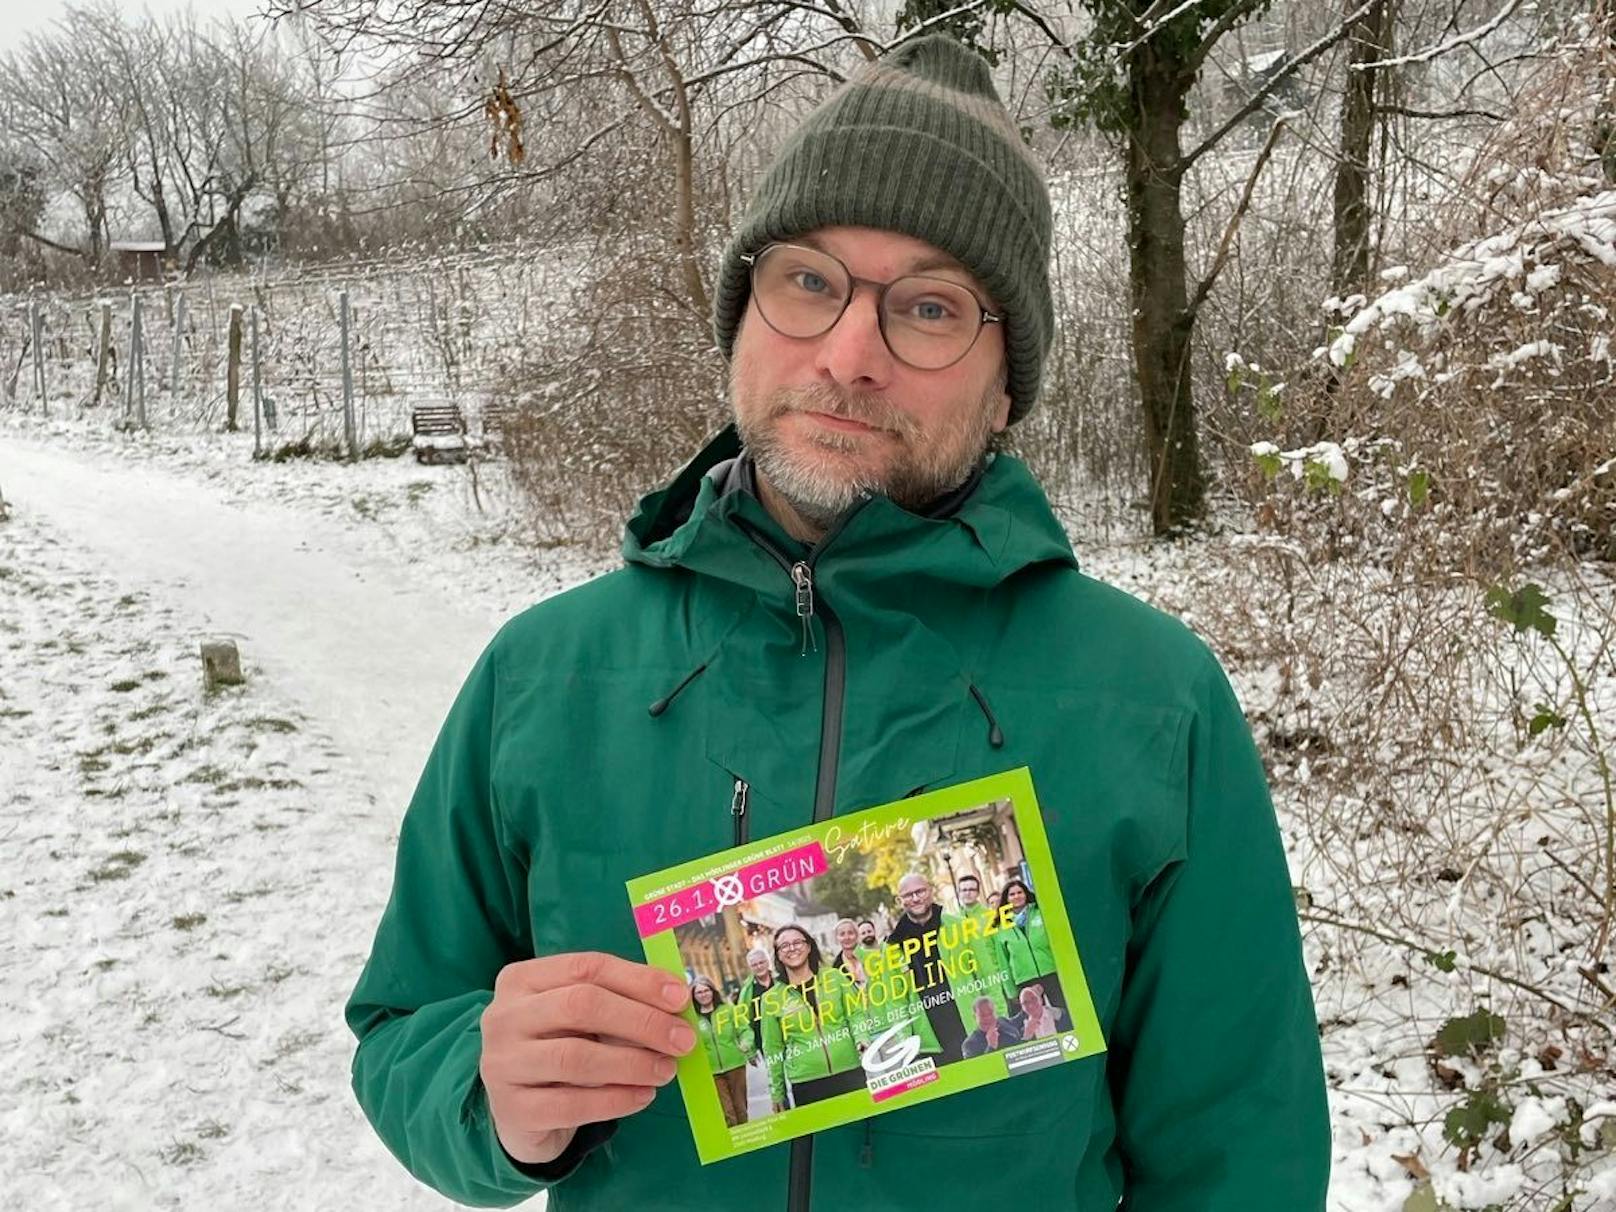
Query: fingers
pixel 638 982
pixel 582 1062
pixel 591 1010
pixel 541 1109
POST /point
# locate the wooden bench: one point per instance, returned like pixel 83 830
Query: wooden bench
pixel 438 433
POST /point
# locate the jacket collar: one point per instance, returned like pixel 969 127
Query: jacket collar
pixel 998 523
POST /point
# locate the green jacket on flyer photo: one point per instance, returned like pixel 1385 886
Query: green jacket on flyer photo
pixel 930 649
pixel 1024 948
pixel 727 1044
pixel 802 1043
pixel 991 971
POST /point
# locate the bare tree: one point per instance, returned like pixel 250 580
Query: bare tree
pixel 64 109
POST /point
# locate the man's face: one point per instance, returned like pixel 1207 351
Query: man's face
pixel 915 894
pixel 984 1015
pixel 758 964
pixel 833 417
pixel 969 890
pixel 867 933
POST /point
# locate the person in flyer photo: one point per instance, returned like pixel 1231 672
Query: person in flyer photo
pixel 853 591
pixel 728 1045
pixel 1024 949
pixel 811 1040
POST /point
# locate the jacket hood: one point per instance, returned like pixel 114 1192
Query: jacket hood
pixel 1003 525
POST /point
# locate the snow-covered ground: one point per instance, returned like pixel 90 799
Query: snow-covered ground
pixel 189 882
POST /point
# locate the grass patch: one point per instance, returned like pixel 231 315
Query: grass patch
pixel 189 921
pixel 224 992
pixel 126 685
pixel 271 723
pixel 104 965
pixel 182 1153
pixel 254 783
pixel 151 709
pixel 212 1130
pixel 210 774
pixel 117 866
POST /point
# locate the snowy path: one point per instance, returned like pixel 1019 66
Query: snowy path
pixel 188 885
pixel 376 662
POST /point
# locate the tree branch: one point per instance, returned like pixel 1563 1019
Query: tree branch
pixel 49 243
pixel 1224 245
pixel 1442 48
pixel 1267 90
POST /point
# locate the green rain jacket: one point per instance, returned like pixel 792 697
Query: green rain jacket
pixel 1024 949
pixel 801 1042
pixel 938 648
pixel 728 1044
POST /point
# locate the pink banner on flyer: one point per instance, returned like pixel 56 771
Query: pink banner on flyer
pixel 914 1083
pixel 708 897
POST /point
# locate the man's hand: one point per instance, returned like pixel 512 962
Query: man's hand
pixel 574 1039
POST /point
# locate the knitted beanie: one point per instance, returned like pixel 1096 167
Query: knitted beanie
pixel 919 143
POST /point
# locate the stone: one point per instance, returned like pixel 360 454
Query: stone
pixel 221 665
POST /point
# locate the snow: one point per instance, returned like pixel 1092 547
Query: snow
pixel 192 882
pixel 1472 274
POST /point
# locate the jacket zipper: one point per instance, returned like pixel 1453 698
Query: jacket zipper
pixel 737 808
pixel 801 572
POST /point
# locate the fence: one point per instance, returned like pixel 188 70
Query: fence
pixel 337 356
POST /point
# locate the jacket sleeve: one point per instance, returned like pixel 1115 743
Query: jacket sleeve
pixel 774 1054
pixel 456 916
pixel 1215 1064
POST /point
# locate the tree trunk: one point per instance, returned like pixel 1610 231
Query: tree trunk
pixel 1349 271
pixel 1162 322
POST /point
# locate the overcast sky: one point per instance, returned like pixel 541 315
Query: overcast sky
pixel 18 17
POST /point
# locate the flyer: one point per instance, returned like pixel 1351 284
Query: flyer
pixel 868 962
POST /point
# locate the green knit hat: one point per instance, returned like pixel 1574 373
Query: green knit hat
pixel 917 143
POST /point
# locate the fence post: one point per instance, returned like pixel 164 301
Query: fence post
pixel 104 355
pixel 36 324
pixel 347 385
pixel 137 368
pixel 132 366
pixel 174 357
pixel 232 381
pixel 258 392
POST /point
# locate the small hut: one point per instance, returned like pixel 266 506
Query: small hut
pixel 140 260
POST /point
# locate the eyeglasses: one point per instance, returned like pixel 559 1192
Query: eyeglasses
pixel 914 894
pixel 792 945
pixel 927 323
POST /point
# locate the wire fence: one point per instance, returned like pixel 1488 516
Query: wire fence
pixel 336 355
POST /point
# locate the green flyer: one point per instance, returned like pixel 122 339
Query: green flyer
pixel 869 962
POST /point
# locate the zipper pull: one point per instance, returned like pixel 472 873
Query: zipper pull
pixel 802 577
pixel 737 808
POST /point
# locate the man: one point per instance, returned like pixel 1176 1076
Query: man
pixel 990 978
pixel 867 934
pixel 867 602
pixel 993 1031
pixel 934 971
pixel 752 991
